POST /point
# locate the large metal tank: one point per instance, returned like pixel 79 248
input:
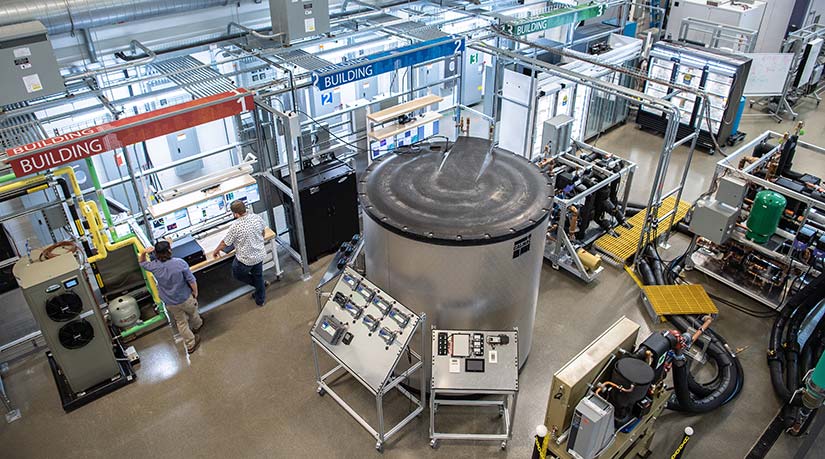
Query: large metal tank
pixel 457 232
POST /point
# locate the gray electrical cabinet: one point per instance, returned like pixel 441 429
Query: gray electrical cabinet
pixel 61 300
pixel 591 428
pixel 182 145
pixel 555 134
pixel 299 19
pixel 28 68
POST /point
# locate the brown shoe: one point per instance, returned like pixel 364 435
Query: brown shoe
pixel 194 346
pixel 196 330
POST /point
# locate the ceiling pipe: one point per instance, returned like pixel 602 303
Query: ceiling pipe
pixel 65 16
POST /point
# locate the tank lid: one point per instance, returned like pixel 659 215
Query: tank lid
pixel 461 193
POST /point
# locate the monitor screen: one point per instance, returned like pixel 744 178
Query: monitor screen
pixel 175 221
pixel 207 210
pixel 248 194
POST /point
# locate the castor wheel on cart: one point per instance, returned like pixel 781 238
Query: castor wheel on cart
pixel 321 391
pixel 433 443
pixel 379 447
pixel 504 444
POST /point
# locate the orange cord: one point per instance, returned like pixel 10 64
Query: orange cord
pixel 48 252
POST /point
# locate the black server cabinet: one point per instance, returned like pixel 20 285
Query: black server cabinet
pixel 329 207
pixel 722 75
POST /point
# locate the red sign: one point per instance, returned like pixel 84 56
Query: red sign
pixel 46 154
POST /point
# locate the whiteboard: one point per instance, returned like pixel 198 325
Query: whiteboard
pixel 768 73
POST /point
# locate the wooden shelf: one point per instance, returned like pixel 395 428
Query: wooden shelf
pixel 402 109
pixel 190 199
pixel 395 129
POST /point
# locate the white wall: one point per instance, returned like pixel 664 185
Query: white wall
pixel 211 136
pixel 774 25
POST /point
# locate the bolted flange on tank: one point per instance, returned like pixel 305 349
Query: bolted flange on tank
pixel 765 214
pixel 457 231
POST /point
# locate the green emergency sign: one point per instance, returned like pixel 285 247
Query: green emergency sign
pixel 553 19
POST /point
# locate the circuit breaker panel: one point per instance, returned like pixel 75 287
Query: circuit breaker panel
pixel 475 360
pixel 298 19
pixel 28 68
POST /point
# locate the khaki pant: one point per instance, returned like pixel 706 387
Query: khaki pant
pixel 186 314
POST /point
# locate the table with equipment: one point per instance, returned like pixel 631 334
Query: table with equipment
pixel 366 332
pixel 198 221
pixel 472 363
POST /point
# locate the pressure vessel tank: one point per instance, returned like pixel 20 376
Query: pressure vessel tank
pixel 457 231
pixel 766 211
pixel 124 311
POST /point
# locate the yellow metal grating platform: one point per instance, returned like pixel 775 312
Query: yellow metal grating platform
pixel 624 246
pixel 667 300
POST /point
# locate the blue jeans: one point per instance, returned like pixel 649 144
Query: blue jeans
pixel 252 275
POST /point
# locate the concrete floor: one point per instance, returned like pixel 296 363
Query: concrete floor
pixel 249 391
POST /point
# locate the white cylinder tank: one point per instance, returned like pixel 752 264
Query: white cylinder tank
pixel 457 231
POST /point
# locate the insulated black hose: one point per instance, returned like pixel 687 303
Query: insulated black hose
pixel 689 395
pixel 655 265
pixel 783 347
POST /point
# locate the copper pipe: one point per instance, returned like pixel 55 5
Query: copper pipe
pixel 574 219
pixel 705 325
pixel 649 357
pixel 612 384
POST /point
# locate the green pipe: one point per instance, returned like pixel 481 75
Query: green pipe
pixel 101 198
pixel 7 178
pixel 818 376
pixel 161 316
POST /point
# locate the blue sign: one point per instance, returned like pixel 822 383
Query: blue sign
pixel 386 61
pixel 326 98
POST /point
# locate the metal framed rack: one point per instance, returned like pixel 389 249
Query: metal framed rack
pixel 564 252
pixel 781 250
pixel 473 363
pixel 353 329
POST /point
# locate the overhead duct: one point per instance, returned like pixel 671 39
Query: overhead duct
pixel 63 16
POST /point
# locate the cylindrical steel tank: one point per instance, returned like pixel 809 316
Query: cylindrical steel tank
pixel 124 311
pixel 457 231
pixel 765 215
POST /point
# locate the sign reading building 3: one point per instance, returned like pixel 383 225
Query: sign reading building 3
pixel 553 19
pixel 387 61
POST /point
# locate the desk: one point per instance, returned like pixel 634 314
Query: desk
pixel 227 289
pixel 209 242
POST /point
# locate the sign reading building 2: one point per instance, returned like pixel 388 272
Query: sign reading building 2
pixel 555 18
pixel 387 61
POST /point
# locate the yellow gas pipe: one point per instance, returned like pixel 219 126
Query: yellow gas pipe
pixel 100 240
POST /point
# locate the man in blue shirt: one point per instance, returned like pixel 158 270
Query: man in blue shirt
pixel 178 289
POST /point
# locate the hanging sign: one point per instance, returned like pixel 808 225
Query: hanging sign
pixel 70 147
pixel 555 18
pixel 387 61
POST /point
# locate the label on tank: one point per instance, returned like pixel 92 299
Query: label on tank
pixel 521 246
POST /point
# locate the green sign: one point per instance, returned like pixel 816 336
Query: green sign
pixel 553 19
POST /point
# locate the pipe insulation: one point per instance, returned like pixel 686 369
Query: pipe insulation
pixel 63 16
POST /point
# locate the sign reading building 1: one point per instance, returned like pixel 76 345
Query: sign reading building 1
pixel 73 146
pixel 553 19
pixel 387 61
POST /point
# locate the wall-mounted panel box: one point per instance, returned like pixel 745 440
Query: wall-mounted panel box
pixel 28 68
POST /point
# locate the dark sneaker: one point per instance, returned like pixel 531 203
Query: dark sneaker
pixel 194 346
pixel 196 330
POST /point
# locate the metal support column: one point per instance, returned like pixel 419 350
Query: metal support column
pixel 292 131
